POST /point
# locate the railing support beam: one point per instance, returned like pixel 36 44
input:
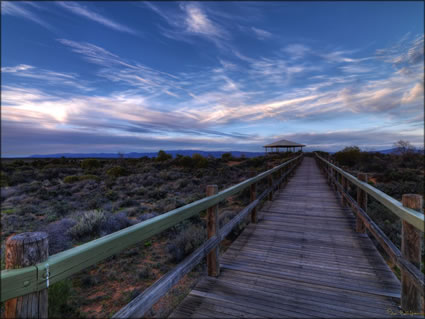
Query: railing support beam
pixel 344 189
pixel 253 196
pixel 270 180
pixel 362 201
pixel 213 264
pixel 411 300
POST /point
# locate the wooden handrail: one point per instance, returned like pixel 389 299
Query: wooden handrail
pixel 412 279
pixel 409 215
pixel 143 302
pixel 19 282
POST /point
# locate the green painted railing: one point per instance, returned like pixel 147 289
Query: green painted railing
pixel 19 282
pixel 409 215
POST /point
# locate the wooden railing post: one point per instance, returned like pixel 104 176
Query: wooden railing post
pixel 270 179
pixel 213 229
pixel 23 250
pixel 411 300
pixel 329 169
pixel 253 196
pixel 344 185
pixel 279 176
pixel 331 173
pixel 362 201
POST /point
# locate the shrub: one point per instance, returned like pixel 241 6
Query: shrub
pixel 3 180
pixel 162 156
pixel 88 223
pixel 90 163
pixel 199 161
pixel 89 177
pixel 187 241
pixel 113 223
pixel 59 237
pixel 227 157
pixel 184 161
pixel 146 273
pixel 111 195
pixel 59 294
pixel 71 179
pixel 117 171
pixel 348 156
pixel 147 216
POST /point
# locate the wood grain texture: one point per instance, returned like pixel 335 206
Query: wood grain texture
pixel 302 259
pixel 362 201
pixel 213 265
pixel 411 299
pixel 24 250
pixel 252 197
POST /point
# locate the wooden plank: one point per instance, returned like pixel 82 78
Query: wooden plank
pixel 311 301
pixel 303 259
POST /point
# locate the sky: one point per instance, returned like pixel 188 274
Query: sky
pixel 88 77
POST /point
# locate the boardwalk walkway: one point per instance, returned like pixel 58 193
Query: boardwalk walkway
pixel 303 259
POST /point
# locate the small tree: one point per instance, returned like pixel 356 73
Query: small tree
pixel 403 147
pixel 162 156
pixel 348 156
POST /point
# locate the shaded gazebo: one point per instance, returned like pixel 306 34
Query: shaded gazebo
pixel 288 145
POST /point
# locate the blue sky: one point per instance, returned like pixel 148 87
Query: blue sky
pixel 142 76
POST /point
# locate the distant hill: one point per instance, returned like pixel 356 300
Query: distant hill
pixel 394 150
pixel 215 154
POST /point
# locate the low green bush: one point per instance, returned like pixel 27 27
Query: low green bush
pixel 162 156
pixel 117 171
pixel 90 163
pixel 183 161
pixel 227 157
pixel 199 161
pixel 89 177
pixel 59 294
pixel 71 179
pixel 88 224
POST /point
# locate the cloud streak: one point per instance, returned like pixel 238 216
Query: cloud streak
pixel 20 10
pixel 83 11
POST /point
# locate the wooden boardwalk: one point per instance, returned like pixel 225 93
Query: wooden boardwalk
pixel 302 259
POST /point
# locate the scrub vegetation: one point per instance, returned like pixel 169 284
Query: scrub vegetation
pixel 78 200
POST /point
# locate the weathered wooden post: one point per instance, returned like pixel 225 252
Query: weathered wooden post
pixel 279 176
pixel 331 173
pixel 411 300
pixel 213 228
pixel 270 179
pixel 252 197
pixel 362 201
pixel 344 189
pixel 23 250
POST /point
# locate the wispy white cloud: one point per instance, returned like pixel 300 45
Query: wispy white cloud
pixel 212 97
pixel 192 21
pixel 296 50
pixel 47 76
pixel 261 34
pixel 83 11
pixel 22 10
